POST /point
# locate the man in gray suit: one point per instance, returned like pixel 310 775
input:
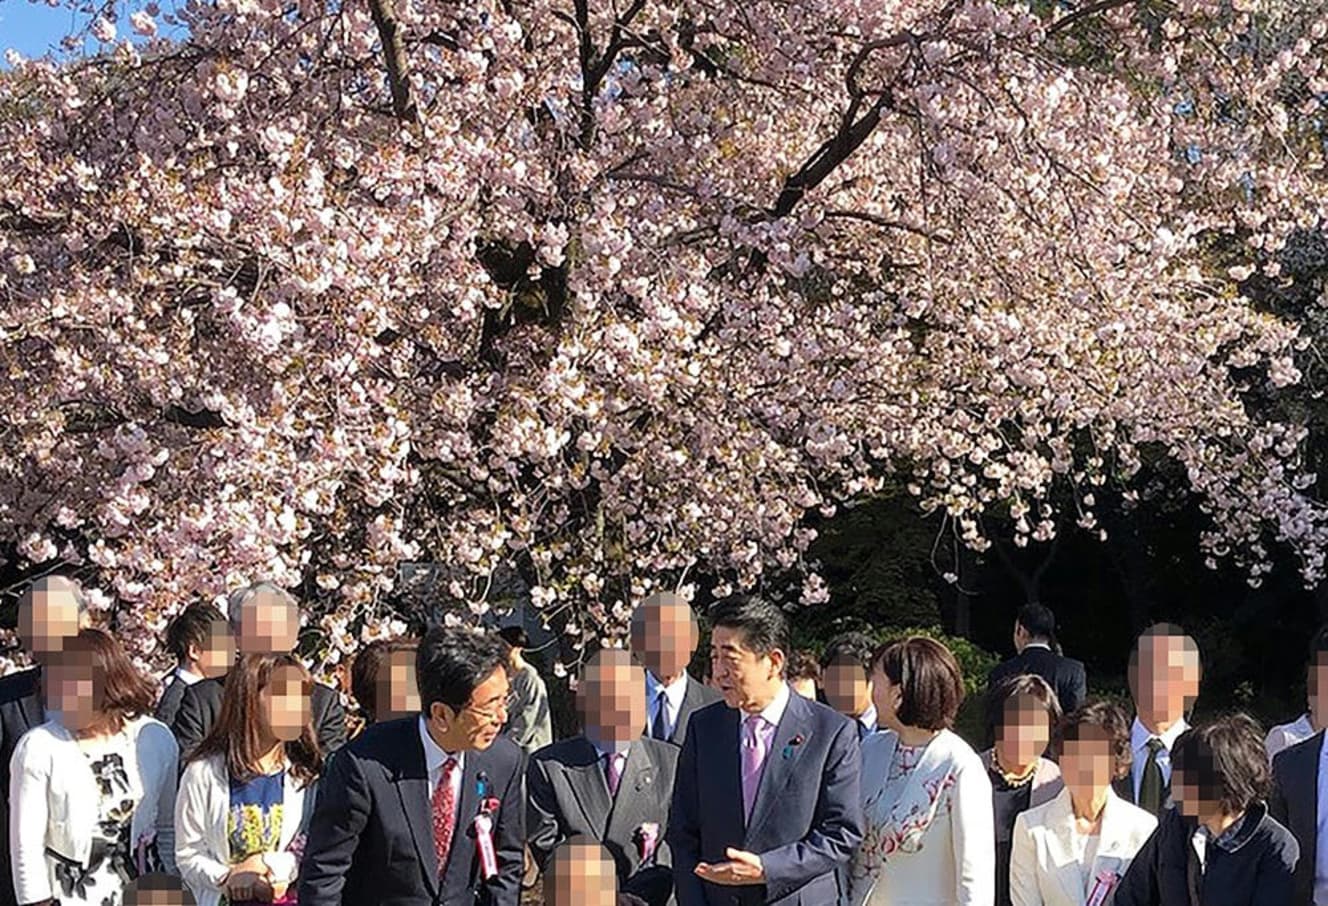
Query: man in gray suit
pixel 608 784
pixel 664 638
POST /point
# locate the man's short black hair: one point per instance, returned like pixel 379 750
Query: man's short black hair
pixel 1038 621
pixel 1224 760
pixel 849 647
pixel 452 661
pixel 191 626
pixel 515 636
pixel 1319 647
pixel 763 625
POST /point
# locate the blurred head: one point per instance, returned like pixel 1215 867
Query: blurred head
pixel 1220 768
pixel 804 674
pixel 1093 743
pixel 664 635
pixel 612 698
pixel 1164 675
pixel 580 872
pixel 464 693
pixel 264 619
pixel 200 640
pixel 51 611
pixel 1024 711
pixel 1034 623
pixel 266 703
pixel 748 648
pixel 93 686
pixel 1316 675
pixel 846 669
pixel 382 680
pixel 158 890
pixel 917 684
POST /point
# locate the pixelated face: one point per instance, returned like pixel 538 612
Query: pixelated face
pixel 269 624
pixel 1087 764
pixel 581 876
pixel 1165 681
pixel 46 619
pixel 847 688
pixel 612 698
pixel 1316 684
pixel 1185 793
pixel 665 636
pixel 75 689
pixel 218 654
pixel 744 677
pixel 482 719
pixel 806 687
pixel 158 890
pixel 286 699
pixel 398 693
pixel 1024 732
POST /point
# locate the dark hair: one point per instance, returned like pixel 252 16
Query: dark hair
pixel 801 665
pixel 450 662
pixel 763 625
pixel 364 671
pixel 931 680
pixel 1225 761
pixel 1158 631
pixel 157 882
pixel 1099 719
pixel 514 636
pixel 237 734
pixel 1024 685
pixel 1038 621
pixel 191 626
pixel 123 692
pixel 853 647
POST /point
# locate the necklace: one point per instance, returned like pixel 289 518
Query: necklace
pixel 1013 780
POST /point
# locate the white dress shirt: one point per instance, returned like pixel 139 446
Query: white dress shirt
pixel 188 677
pixel 773 713
pixel 434 759
pixel 1139 736
pixel 1321 838
pixel 1284 736
pixel 674 693
pixel 868 719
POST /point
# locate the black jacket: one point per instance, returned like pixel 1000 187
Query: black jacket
pixel 20 710
pixel 697 696
pixel 169 704
pixel 1254 869
pixel 1295 804
pixel 371 837
pixel 1065 675
pixel 201 703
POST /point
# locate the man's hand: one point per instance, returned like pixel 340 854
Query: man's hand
pixel 743 869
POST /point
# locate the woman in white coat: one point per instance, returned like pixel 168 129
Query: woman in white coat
pixel 92 790
pixel 927 805
pixel 1073 850
pixel 248 792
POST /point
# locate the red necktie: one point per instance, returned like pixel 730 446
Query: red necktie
pixel 444 814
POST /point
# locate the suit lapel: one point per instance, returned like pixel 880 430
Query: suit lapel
pixel 589 785
pixel 780 762
pixel 1060 849
pixel 689 704
pixel 638 782
pixel 412 783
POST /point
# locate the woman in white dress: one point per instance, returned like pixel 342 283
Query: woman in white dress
pixel 93 788
pixel 930 833
pixel 1074 850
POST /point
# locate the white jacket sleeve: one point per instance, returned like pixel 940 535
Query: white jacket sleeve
pixel 195 855
pixel 1024 889
pixel 29 782
pixel 973 830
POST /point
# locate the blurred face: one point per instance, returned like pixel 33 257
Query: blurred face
pixel 46 619
pixel 887 697
pixel 1187 799
pixel 747 680
pixel 398 694
pixel 218 654
pixel 480 721
pixel 1087 767
pixel 157 890
pixel 286 701
pixel 664 637
pixel 1024 733
pixel 269 624
pixel 581 876
pixel 1166 680
pixel 1316 685
pixel 74 688
pixel 612 698
pixel 847 688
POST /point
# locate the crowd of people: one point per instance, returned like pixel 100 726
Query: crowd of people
pixel 779 779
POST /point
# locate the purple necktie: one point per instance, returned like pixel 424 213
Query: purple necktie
pixel 753 761
pixel 614 769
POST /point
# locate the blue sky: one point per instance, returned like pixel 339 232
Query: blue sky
pixel 34 29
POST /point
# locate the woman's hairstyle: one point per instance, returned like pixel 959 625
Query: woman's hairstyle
pixel 930 678
pixel 1225 762
pixel 1099 721
pixel 238 733
pixel 365 670
pixel 123 692
pixel 1023 686
pixel 803 666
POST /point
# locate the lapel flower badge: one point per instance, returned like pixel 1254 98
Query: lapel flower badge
pixel 793 745
pixel 647 838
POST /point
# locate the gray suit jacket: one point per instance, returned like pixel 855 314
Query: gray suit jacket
pixel 568 794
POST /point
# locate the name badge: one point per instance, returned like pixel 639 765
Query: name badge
pixel 1102 887
pixel 484 842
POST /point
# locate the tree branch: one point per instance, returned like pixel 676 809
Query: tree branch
pixel 398 64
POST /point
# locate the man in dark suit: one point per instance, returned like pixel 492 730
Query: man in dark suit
pixel 200 640
pixel 664 638
pixel 429 810
pixel 609 784
pixel 50 610
pixel 1034 641
pixel 264 620
pixel 766 805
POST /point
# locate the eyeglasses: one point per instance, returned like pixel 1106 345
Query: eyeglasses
pixel 496 711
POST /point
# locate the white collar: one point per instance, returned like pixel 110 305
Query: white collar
pixel 868 718
pixel 1139 734
pixel 1036 644
pixel 674 691
pixel 188 677
pixel 434 755
pixel 774 712
pixel 604 750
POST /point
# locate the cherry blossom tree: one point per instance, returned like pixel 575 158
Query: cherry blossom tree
pixel 617 293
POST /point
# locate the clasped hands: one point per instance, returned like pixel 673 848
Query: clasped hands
pixel 742 868
pixel 252 879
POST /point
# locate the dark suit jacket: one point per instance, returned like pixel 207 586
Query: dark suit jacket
pixel 805 822
pixel 169 704
pixel 569 795
pixel 1063 674
pixel 371 837
pixel 1295 805
pixel 201 703
pixel 1256 870
pixel 697 696
pixel 20 710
